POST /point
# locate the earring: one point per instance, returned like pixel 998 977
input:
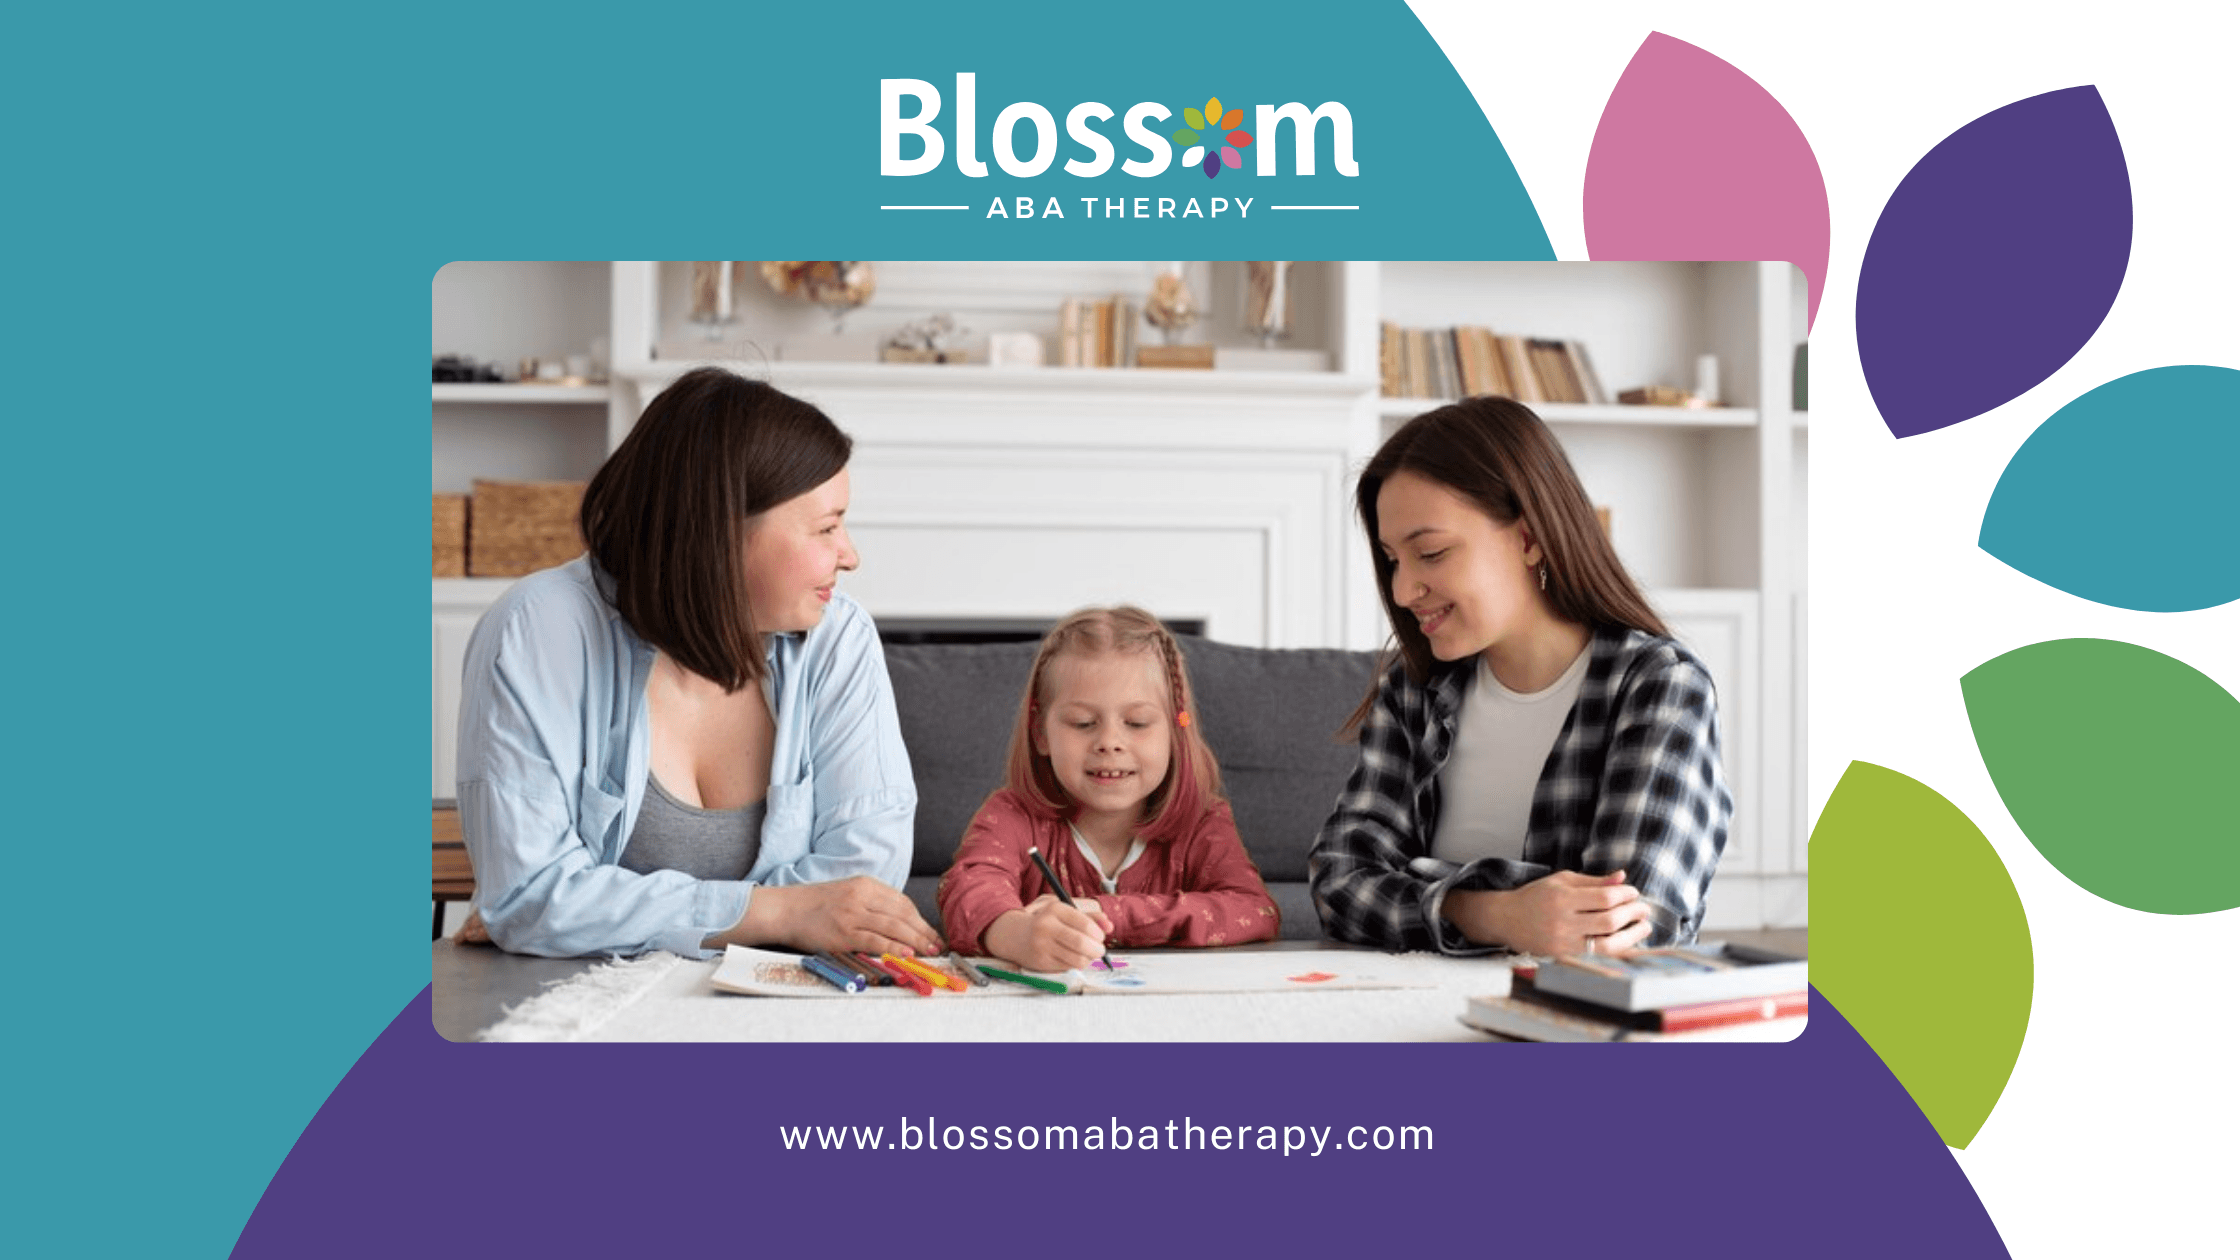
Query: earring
pixel 1543 577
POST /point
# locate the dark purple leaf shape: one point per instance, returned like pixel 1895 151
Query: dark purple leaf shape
pixel 1994 261
pixel 1213 164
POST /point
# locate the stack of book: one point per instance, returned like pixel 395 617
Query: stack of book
pixel 1460 362
pixel 1097 333
pixel 1709 992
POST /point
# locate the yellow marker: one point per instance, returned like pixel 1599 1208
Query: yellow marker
pixel 931 975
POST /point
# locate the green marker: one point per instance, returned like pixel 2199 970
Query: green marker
pixel 1032 982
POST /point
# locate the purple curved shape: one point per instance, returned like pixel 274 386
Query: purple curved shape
pixel 1693 160
pixel 1994 261
pixel 675 1149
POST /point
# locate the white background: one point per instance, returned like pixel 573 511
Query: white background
pixel 2114 1134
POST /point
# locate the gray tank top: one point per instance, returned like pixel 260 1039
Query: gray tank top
pixel 703 843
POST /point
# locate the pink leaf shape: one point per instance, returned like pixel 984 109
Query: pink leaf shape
pixel 1693 160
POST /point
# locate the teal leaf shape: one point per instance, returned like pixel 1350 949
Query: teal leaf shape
pixel 2118 763
pixel 1895 864
pixel 2120 497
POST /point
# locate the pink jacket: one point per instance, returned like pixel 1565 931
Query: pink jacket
pixel 1200 888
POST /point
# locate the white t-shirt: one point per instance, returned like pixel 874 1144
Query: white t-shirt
pixel 1501 742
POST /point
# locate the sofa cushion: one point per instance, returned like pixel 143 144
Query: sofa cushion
pixel 1271 717
pixel 957 703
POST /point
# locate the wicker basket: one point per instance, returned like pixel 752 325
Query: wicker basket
pixel 451 535
pixel 518 527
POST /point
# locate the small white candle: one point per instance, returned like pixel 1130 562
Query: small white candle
pixel 723 292
pixel 1707 378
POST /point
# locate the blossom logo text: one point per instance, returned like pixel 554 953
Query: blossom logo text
pixel 1215 142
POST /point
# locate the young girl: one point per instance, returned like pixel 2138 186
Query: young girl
pixel 1540 765
pixel 1111 779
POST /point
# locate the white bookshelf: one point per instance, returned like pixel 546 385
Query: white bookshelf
pixel 965 474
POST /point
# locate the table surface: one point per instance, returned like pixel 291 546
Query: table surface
pixel 474 984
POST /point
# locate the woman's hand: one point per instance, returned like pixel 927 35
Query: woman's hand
pixel 1564 913
pixel 1049 935
pixel 858 913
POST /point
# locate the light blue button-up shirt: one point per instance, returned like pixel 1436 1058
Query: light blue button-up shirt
pixel 552 772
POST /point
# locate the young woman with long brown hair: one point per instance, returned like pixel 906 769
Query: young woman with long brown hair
pixel 1539 765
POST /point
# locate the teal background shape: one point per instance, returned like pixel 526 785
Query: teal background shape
pixel 2125 495
pixel 229 220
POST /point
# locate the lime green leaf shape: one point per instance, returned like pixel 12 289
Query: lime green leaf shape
pixel 1918 937
pixel 2118 762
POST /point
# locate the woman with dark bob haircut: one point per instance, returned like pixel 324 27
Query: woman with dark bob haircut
pixel 686 738
pixel 1539 765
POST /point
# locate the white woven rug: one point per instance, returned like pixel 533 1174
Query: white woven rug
pixel 575 1008
pixel 662 997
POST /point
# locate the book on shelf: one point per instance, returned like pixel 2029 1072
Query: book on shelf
pixel 1548 364
pixel 1523 381
pixel 1468 360
pixel 1651 979
pixel 1483 372
pixel 1099 333
pixel 1530 1013
pixel 1590 383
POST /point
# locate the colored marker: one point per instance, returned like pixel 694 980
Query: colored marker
pixel 1050 877
pixel 971 972
pixel 904 976
pixel 847 966
pixel 865 962
pixel 933 975
pixel 889 974
pixel 845 981
pixel 1032 982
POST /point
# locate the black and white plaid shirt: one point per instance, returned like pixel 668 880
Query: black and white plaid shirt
pixel 1633 784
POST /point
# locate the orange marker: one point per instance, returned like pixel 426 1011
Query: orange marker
pixel 904 976
pixel 932 975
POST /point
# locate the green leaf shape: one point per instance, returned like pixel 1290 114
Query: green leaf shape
pixel 2118 762
pixel 1184 135
pixel 1918 937
pixel 1194 118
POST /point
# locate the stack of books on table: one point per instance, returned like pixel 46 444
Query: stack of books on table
pixel 1708 992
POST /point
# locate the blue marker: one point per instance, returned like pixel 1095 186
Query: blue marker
pixel 845 981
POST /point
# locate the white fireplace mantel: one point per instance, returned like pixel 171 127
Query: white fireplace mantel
pixel 1025 493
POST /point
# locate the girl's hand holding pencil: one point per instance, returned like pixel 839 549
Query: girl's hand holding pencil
pixel 1048 935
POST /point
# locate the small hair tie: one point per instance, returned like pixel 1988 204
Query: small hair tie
pixel 1182 719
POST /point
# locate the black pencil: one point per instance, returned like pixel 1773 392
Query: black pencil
pixel 1050 877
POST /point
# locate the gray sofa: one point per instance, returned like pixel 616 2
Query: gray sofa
pixel 1271 717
